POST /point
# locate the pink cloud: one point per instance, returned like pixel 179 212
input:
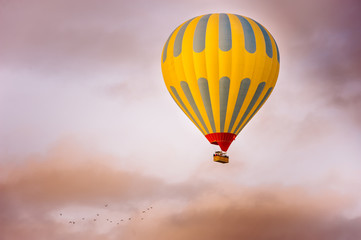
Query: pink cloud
pixel 70 177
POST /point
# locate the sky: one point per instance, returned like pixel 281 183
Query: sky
pixel 87 127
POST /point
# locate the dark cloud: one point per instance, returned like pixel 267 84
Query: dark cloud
pixel 320 53
pixel 260 213
pixel 66 175
pixel 334 57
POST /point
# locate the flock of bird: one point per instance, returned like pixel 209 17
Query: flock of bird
pixel 108 220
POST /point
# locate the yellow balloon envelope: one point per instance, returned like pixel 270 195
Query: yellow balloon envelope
pixel 220 69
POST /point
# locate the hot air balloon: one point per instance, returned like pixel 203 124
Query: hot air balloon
pixel 220 69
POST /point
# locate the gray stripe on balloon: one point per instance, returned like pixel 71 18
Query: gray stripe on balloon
pixel 179 39
pixel 225 33
pixel 255 97
pixel 278 53
pixel 199 40
pixel 224 83
pixel 193 104
pixel 204 90
pixel 249 38
pixel 165 50
pixel 242 92
pixel 184 106
pixel 258 107
pixel 267 40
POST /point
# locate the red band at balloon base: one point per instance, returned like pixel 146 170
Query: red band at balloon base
pixel 223 140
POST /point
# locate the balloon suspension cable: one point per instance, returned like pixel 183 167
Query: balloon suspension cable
pixel 221 157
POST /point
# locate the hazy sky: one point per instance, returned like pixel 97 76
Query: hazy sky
pixel 86 120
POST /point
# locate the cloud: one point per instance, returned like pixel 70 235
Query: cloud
pixel 77 181
pixel 320 51
pixel 327 50
pixel 65 177
pixel 68 37
pixel 309 127
pixel 260 213
pixel 74 180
